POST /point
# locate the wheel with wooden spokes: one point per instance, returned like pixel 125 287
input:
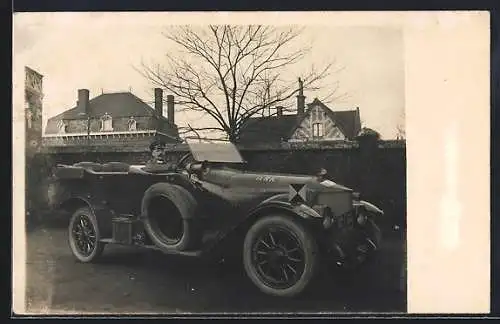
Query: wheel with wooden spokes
pixel 280 255
pixel 84 236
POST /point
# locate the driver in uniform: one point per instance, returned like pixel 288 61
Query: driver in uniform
pixel 159 160
pixel 157 149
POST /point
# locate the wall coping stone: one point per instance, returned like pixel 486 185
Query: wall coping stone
pixel 182 147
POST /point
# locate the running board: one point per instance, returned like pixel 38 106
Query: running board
pixel 196 253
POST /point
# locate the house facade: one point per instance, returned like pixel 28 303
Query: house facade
pixel 112 118
pixel 316 123
pixel 319 123
pixel 33 100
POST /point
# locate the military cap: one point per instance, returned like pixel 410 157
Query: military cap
pixel 156 144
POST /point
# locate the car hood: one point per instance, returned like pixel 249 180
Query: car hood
pixel 226 177
pixel 276 182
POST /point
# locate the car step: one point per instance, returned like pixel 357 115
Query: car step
pixel 154 247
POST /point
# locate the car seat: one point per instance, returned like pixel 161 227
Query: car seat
pixel 115 167
pixel 160 168
pixel 94 166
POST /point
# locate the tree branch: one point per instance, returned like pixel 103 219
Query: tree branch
pixel 230 73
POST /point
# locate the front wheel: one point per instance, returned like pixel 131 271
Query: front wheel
pixel 84 236
pixel 280 256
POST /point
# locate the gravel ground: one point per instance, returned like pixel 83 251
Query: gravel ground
pixel 133 280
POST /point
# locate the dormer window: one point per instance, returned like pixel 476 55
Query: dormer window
pixel 61 127
pixel 318 130
pixel 106 123
pixel 132 124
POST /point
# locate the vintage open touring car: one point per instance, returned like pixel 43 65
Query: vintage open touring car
pixel 284 223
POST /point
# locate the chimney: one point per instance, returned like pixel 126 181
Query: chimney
pixel 301 100
pixel 170 109
pixel 159 102
pixel 83 101
pixel 279 111
pixel 357 122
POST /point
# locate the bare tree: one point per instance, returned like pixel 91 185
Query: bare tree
pixel 191 133
pixel 232 73
pixel 400 128
pixel 400 135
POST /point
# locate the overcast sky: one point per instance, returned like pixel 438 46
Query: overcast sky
pixel 98 51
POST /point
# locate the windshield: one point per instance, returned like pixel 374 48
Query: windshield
pixel 215 152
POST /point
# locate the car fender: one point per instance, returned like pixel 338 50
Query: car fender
pixel 275 204
pixel 371 207
pixel 281 202
pixel 70 203
pixel 103 214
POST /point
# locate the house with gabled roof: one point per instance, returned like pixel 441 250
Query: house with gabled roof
pixel 320 123
pixel 109 117
pixel 316 123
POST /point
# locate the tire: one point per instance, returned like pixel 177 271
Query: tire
pixel 83 227
pixel 182 206
pixel 280 226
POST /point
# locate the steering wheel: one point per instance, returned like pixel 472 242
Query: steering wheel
pixel 185 160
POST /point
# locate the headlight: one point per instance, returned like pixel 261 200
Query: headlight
pixel 321 209
pixel 361 219
pixel 327 221
pixel 326 213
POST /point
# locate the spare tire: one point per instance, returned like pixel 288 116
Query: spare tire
pixel 169 216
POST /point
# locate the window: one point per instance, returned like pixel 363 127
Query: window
pixel 61 126
pixel 106 123
pixel 132 124
pixel 314 114
pixel 317 130
pixel 317 114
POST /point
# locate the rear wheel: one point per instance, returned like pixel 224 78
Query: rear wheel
pixel 84 236
pixel 280 256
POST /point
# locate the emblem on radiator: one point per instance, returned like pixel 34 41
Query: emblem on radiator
pixel 297 193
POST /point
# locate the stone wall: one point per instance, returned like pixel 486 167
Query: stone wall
pixel 74 144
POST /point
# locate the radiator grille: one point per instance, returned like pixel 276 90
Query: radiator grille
pixel 339 202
